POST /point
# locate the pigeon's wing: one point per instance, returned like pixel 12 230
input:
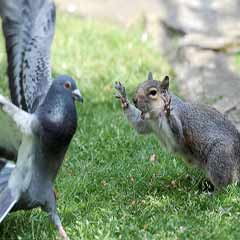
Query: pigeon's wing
pixel 14 122
pixel 28 27
pixel 6 169
pixel 7 201
pixel 10 136
pixel 15 127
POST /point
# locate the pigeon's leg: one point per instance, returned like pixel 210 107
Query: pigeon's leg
pixel 57 222
pixel 62 233
pixel 51 210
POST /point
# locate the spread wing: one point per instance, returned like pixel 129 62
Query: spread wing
pixel 10 137
pixel 28 27
pixel 14 122
pixel 15 128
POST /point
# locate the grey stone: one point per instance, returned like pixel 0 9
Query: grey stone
pixel 197 37
pixel 210 17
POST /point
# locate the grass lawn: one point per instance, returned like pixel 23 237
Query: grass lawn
pixel 108 188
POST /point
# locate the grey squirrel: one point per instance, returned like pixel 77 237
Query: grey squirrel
pixel 202 135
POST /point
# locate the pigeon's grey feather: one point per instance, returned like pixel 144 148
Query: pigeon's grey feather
pixel 7 200
pixel 11 136
pixel 28 27
pixel 3 182
pixel 45 137
pixel 19 125
pixel 6 169
pixel 7 8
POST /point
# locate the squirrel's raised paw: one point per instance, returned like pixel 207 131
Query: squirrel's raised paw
pixel 167 101
pixel 121 89
pixel 121 94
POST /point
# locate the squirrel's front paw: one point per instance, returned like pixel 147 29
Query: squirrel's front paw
pixel 121 94
pixel 167 104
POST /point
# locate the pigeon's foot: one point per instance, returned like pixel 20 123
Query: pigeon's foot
pixel 62 233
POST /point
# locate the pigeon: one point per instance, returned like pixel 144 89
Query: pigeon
pixel 41 140
pixel 37 127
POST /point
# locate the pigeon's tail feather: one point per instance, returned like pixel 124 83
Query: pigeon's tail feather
pixel 28 27
pixel 7 201
pixel 6 169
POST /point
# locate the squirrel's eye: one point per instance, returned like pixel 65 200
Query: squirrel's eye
pixel 67 85
pixel 153 92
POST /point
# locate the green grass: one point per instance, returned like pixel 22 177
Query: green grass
pixel 108 188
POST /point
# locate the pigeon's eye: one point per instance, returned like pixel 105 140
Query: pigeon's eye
pixel 152 93
pixel 67 85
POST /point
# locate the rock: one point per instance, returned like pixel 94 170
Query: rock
pixel 206 76
pixel 209 17
pixel 227 44
pixel 198 37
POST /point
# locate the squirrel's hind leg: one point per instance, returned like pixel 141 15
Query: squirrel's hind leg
pixel 222 166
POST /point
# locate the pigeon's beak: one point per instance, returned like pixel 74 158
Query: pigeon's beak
pixel 77 95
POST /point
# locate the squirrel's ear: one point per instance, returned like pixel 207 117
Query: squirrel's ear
pixel 150 76
pixel 165 83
